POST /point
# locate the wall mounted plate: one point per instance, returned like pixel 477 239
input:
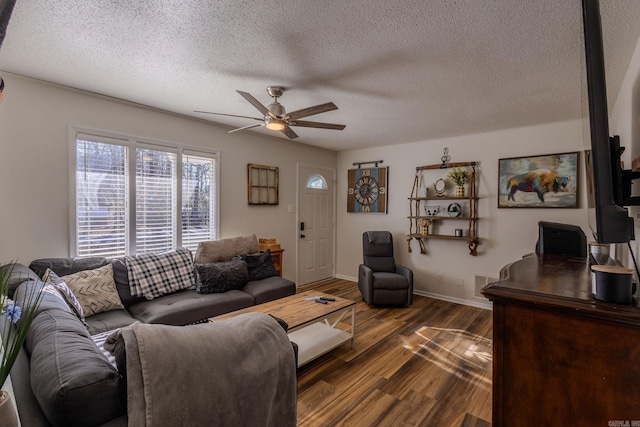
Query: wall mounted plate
pixel 454 210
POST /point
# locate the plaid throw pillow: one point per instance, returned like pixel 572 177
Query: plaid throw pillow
pixel 154 275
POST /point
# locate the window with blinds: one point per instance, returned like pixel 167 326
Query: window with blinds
pixel 198 199
pixel 155 201
pixel 101 198
pixel 161 199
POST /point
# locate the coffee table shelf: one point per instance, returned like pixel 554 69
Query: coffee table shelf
pixel 312 326
pixel 317 339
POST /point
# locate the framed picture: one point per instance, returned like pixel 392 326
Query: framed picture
pixel 262 184
pixel 548 181
pixel 367 190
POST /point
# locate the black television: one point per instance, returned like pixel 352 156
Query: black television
pixel 608 219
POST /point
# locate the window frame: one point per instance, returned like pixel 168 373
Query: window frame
pixel 133 143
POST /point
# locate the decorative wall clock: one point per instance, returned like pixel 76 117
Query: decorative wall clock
pixel 367 191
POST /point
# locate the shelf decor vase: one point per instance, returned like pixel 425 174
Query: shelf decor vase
pixel 8 413
pixel 460 191
pixel 424 226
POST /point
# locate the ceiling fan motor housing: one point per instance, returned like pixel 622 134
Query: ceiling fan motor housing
pixel 276 108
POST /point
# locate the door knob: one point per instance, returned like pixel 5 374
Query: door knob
pixel 302 236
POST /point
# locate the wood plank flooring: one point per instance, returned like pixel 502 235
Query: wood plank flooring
pixel 429 364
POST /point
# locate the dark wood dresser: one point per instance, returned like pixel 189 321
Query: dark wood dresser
pixel 561 358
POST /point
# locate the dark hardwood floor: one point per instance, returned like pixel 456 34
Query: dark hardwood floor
pixel 429 364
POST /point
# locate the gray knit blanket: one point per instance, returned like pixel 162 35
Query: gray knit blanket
pixel 238 372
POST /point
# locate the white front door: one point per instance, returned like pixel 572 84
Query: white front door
pixel 315 224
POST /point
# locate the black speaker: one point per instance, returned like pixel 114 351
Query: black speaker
pixel 561 239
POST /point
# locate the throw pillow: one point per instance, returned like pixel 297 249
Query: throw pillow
pixel 219 277
pixel 100 342
pixel 260 265
pixel 95 290
pixel 225 249
pixel 154 275
pixel 63 290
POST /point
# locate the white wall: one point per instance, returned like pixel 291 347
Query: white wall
pixel 34 120
pixel 506 234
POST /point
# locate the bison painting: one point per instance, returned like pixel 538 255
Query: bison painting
pixel 539 181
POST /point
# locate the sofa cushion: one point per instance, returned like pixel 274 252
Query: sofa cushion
pixel 109 320
pixel 66 266
pixel 121 277
pixel 269 289
pixel 95 290
pixel 225 249
pixel 154 275
pixel 260 265
pixel 71 379
pixel 64 291
pixel 184 307
pixel 221 276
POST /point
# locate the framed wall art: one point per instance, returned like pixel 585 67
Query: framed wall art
pixel 546 181
pixel 262 187
pixel 367 190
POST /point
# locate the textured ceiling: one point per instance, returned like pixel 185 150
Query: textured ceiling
pixel 401 71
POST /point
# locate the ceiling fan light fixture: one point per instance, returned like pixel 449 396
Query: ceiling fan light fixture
pixel 275 125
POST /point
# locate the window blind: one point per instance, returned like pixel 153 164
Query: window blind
pixel 198 199
pixel 155 200
pixel 101 198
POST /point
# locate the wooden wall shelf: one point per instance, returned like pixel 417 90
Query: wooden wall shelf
pixel 469 204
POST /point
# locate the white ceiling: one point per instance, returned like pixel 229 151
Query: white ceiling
pixel 399 71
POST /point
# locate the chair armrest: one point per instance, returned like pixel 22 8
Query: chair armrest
pixel 405 271
pixel 365 282
pixel 408 273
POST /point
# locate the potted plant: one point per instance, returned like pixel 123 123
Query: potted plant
pixel 15 320
pixel 459 177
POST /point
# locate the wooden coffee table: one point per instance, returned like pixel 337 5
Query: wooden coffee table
pixel 312 326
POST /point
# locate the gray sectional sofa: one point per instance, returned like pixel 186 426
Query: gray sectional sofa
pixel 63 378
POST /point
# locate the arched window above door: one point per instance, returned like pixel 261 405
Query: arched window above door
pixel 317 182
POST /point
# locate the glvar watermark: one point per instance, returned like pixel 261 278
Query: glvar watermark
pixel 624 423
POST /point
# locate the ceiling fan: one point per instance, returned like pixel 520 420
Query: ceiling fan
pixel 275 116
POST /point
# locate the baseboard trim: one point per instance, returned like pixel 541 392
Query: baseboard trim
pixel 478 304
pixel 487 305
pixel 343 277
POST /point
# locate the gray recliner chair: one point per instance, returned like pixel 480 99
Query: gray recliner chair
pixel 380 279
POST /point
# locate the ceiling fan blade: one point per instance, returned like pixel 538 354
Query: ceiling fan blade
pixel 246 127
pixel 289 132
pixel 229 115
pixel 307 124
pixel 264 110
pixel 310 111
